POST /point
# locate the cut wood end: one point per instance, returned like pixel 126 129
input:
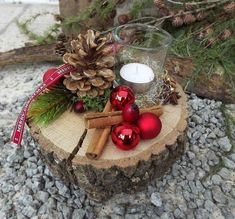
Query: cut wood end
pixel 92 156
pixel 174 123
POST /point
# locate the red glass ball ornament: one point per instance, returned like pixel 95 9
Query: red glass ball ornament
pixel 125 136
pixel 120 96
pixel 150 125
pixel 79 107
pixel 48 74
pixel 130 112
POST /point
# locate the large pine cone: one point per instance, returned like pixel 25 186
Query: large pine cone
pixel 92 55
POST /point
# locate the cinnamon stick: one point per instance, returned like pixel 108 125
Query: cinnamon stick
pixel 99 139
pixel 98 147
pixel 101 120
pixel 93 115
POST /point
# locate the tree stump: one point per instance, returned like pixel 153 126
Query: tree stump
pixel 115 171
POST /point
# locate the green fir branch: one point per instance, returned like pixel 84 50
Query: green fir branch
pixel 140 5
pixel 207 59
pixel 50 105
pixel 53 103
pixel 106 10
pixel 97 8
pixel 96 103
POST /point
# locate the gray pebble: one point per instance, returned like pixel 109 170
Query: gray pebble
pixel 28 153
pixel 67 212
pixel 59 185
pixel 178 213
pixel 7 187
pixel 156 199
pixel 229 163
pixel 193 187
pixel 186 195
pixel 166 216
pixel 29 211
pixel 225 144
pixel 219 134
pixel 190 176
pixel 42 196
pixel 192 205
pixel 64 191
pixel 78 214
pixel 135 209
pixel 218 195
pixel 226 186
pixel 209 205
pixel 216 179
pixel 202 214
pixel 211 135
pixel 197 119
pixel 119 210
pixel 225 173
pixel 232 157
pixel 191 155
pixel 211 156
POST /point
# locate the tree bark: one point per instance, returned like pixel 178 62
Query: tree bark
pixel 129 171
pixel 30 54
pixel 214 87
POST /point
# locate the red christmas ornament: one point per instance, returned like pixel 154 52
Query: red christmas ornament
pixel 48 73
pixel 125 136
pixel 150 125
pixel 130 112
pixel 79 107
pixel 120 96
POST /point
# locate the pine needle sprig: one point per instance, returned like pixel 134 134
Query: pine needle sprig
pixel 207 58
pixel 96 8
pixel 106 10
pixel 53 103
pixel 50 105
pixel 139 6
pixel 96 103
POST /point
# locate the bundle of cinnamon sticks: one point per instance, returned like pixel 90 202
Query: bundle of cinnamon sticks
pixel 103 122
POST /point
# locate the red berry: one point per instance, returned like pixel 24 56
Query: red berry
pixel 125 136
pixel 150 125
pixel 130 112
pixel 48 74
pixel 79 107
pixel 120 96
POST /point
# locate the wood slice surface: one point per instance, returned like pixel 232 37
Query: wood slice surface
pixel 58 143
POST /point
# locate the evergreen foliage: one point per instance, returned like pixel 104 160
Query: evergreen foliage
pixel 54 102
pixel 207 58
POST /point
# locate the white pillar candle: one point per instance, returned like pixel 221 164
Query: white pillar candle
pixel 137 73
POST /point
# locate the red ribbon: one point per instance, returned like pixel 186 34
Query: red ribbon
pixel 21 120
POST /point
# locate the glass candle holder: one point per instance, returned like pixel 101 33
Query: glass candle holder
pixel 140 60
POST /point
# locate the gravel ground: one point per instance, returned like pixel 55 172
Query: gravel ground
pixel 200 185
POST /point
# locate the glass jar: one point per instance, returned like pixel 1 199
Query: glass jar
pixel 140 60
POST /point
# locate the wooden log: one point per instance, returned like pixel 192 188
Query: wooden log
pixel 214 87
pixel 30 54
pixel 128 170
